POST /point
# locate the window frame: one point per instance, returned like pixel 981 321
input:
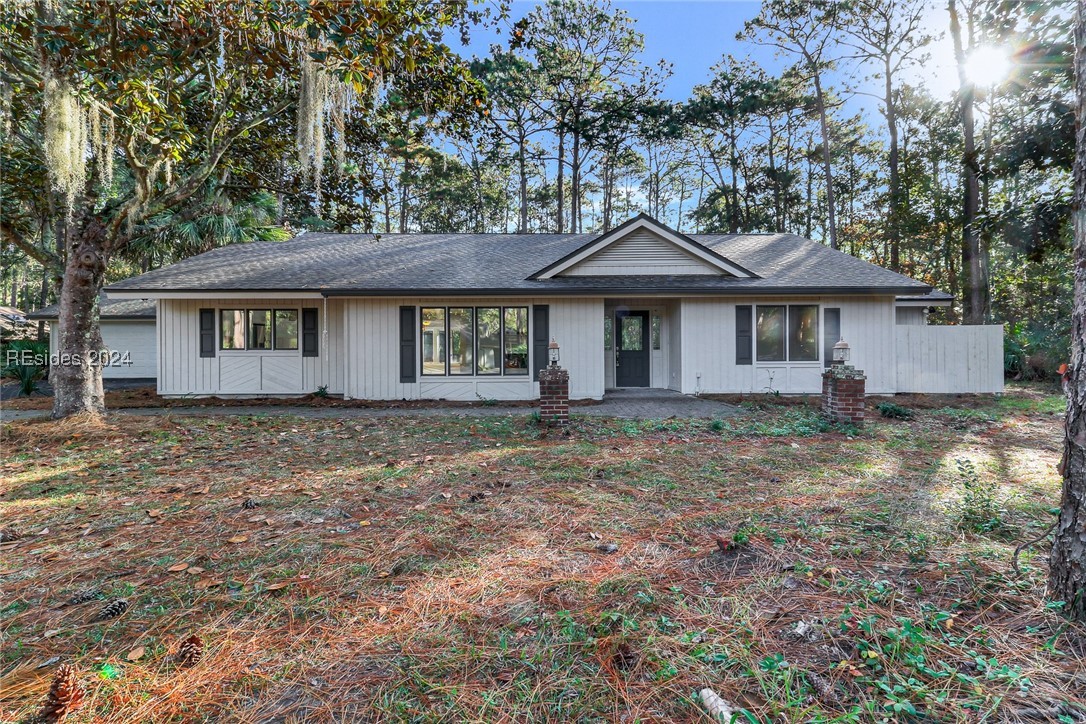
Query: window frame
pixel 501 370
pixel 246 313
pixel 787 334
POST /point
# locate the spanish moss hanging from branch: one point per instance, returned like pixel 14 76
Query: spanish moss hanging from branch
pixel 65 147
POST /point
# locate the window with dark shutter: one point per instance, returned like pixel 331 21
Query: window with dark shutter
pixel 310 333
pixel 207 332
pixel 831 334
pixel 743 335
pixel 541 337
pixel 407 344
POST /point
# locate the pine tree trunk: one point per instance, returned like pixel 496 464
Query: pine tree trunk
pixel 76 374
pixel 974 276
pixel 894 222
pixel 560 219
pixel 522 168
pixel 827 163
pixel 1068 567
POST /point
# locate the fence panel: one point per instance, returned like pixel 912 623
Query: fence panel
pixel 949 359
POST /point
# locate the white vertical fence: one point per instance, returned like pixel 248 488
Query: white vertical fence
pixel 949 359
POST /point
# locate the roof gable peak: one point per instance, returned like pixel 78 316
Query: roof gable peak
pixel 659 245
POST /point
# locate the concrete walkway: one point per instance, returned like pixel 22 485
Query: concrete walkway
pixel 636 404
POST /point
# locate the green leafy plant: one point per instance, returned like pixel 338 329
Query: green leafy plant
pixel 894 411
pixel 27 376
pixel 980 510
pixel 322 392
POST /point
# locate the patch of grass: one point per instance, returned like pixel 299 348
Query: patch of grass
pixel 467 582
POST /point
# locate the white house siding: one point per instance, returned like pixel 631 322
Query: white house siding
pixel 133 341
pixel 640 252
pixel 708 347
pixel 911 316
pixel 373 356
pixel 949 359
pixel 182 371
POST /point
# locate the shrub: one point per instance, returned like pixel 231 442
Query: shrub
pixel 27 376
pixel 979 510
pixel 894 411
pixel 1034 352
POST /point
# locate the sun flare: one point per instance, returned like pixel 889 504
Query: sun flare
pixel 988 65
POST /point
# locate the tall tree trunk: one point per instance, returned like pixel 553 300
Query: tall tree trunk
pixel 894 222
pixel 733 164
pixel 575 180
pixel 827 162
pixel 76 375
pixel 560 220
pixel 43 299
pixel 975 298
pixel 522 168
pixel 1068 563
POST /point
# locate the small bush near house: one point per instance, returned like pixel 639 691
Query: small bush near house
pixel 894 411
pixel 27 376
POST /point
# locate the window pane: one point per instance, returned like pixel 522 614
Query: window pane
pixel 286 329
pixel 770 333
pixel 608 332
pixel 516 340
pixel 260 329
pixel 803 333
pixel 461 342
pixel 488 335
pixel 433 341
pixel 656 331
pixel 232 326
pixel 632 331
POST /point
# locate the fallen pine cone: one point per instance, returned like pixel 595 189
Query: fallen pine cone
pixel 113 609
pixel 89 594
pixel 249 504
pixel 824 688
pixel 9 534
pixel 191 651
pixel 65 695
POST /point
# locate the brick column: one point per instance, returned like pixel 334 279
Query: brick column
pixel 554 395
pixel 843 389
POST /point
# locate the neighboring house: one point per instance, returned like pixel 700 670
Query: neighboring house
pixel 469 316
pixel 15 325
pixel 128 332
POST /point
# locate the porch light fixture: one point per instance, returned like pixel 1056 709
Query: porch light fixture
pixel 553 353
pixel 841 352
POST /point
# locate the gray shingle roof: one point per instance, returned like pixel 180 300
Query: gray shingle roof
pixel 461 264
pixel 115 309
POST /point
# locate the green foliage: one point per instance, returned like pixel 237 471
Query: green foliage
pixel 980 510
pixel 1035 352
pixel 322 392
pixel 894 411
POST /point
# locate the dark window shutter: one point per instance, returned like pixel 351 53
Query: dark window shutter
pixel 407 344
pixel 831 334
pixel 541 337
pixel 310 335
pixel 207 333
pixel 744 337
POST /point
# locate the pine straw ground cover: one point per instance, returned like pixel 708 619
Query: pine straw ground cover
pixel 281 569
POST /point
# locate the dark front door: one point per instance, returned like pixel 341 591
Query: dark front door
pixel 632 346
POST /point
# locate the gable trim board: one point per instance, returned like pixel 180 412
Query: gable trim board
pixel 709 261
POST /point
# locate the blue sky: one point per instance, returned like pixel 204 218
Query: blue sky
pixel 693 35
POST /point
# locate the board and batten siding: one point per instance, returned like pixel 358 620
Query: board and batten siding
pixel 640 253
pixel 949 359
pixel 708 347
pixel 136 339
pixel 373 358
pixel 182 371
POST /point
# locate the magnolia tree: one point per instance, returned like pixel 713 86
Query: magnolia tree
pixel 117 112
